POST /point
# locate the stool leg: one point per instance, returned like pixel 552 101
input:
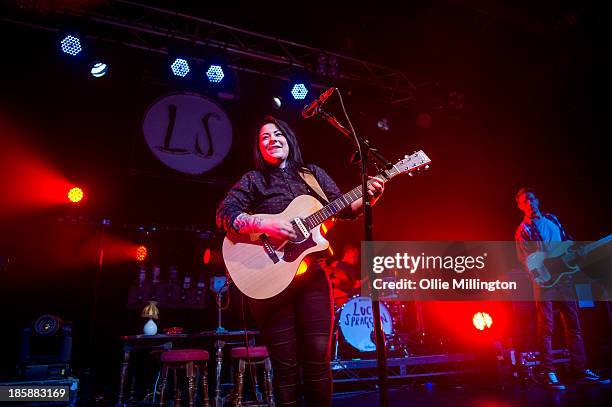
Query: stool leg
pixel 268 382
pixel 204 373
pixel 164 383
pixel 256 384
pixel 240 382
pixel 177 390
pixel 191 388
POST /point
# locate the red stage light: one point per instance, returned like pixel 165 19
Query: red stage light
pixel 482 320
pixel 206 256
pixel 141 253
pixel 75 194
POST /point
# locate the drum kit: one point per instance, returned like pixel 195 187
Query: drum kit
pixel 353 333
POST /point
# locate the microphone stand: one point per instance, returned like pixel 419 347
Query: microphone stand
pixel 365 151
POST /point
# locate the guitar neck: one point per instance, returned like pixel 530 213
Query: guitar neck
pixel 337 205
pixel 592 246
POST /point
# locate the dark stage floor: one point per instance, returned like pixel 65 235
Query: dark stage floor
pixel 459 396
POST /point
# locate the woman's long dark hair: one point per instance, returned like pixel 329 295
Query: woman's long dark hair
pixel 294 158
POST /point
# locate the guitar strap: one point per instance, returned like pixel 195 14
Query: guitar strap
pixel 312 182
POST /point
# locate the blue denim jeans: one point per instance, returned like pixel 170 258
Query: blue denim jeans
pixel 573 334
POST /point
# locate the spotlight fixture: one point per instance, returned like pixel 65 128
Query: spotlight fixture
pixel 299 91
pixel 482 320
pixel 48 325
pixel 71 45
pixel 141 253
pixel 383 124
pixel 215 74
pixel 75 195
pixel 277 102
pixel 99 69
pixel 180 67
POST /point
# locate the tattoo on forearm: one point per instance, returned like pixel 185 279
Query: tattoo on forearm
pixel 245 223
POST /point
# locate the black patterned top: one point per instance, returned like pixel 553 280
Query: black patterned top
pixel 256 194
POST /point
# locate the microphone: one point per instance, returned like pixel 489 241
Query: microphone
pixel 310 110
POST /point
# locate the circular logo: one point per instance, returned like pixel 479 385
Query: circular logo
pixel 357 322
pixel 187 132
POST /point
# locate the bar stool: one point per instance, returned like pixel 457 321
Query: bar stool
pixel 257 356
pixel 191 360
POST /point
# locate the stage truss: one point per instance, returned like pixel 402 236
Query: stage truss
pixel 157 30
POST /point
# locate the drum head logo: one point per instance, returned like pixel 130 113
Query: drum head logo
pixel 357 323
pixel 187 132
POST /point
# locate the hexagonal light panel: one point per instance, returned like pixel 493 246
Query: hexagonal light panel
pixel 215 74
pixel 299 91
pixel 180 67
pixel 71 45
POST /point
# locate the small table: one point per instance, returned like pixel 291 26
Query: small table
pixel 221 338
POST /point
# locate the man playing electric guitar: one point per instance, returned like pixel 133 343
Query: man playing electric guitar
pixel 542 232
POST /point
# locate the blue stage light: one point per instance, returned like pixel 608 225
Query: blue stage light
pixel 71 45
pixel 99 69
pixel 215 74
pixel 299 91
pixel 180 67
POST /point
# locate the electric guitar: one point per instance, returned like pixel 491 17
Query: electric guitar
pixel 547 268
pixel 262 267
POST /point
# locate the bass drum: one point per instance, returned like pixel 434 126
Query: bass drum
pixel 356 322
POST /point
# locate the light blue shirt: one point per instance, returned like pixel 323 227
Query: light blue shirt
pixel 549 231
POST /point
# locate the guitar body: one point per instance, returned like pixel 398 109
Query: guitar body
pixel 547 268
pixel 262 267
pixel 261 274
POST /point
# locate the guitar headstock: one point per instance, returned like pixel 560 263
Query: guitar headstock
pixel 416 161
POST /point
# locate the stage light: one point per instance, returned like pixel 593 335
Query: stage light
pixel 215 73
pixel 327 65
pixel 206 256
pixel 141 253
pixel 75 194
pixel 277 102
pixel 299 91
pixel 383 124
pixel 482 320
pixel 71 45
pixel 99 69
pixel 180 67
pixel 48 325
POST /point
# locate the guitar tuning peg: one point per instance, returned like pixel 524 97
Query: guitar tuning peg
pixel 427 167
pixel 406 156
pixel 410 174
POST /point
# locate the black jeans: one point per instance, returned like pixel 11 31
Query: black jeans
pixel 573 334
pixel 296 327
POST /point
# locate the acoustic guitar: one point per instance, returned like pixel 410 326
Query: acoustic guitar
pixel 262 267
